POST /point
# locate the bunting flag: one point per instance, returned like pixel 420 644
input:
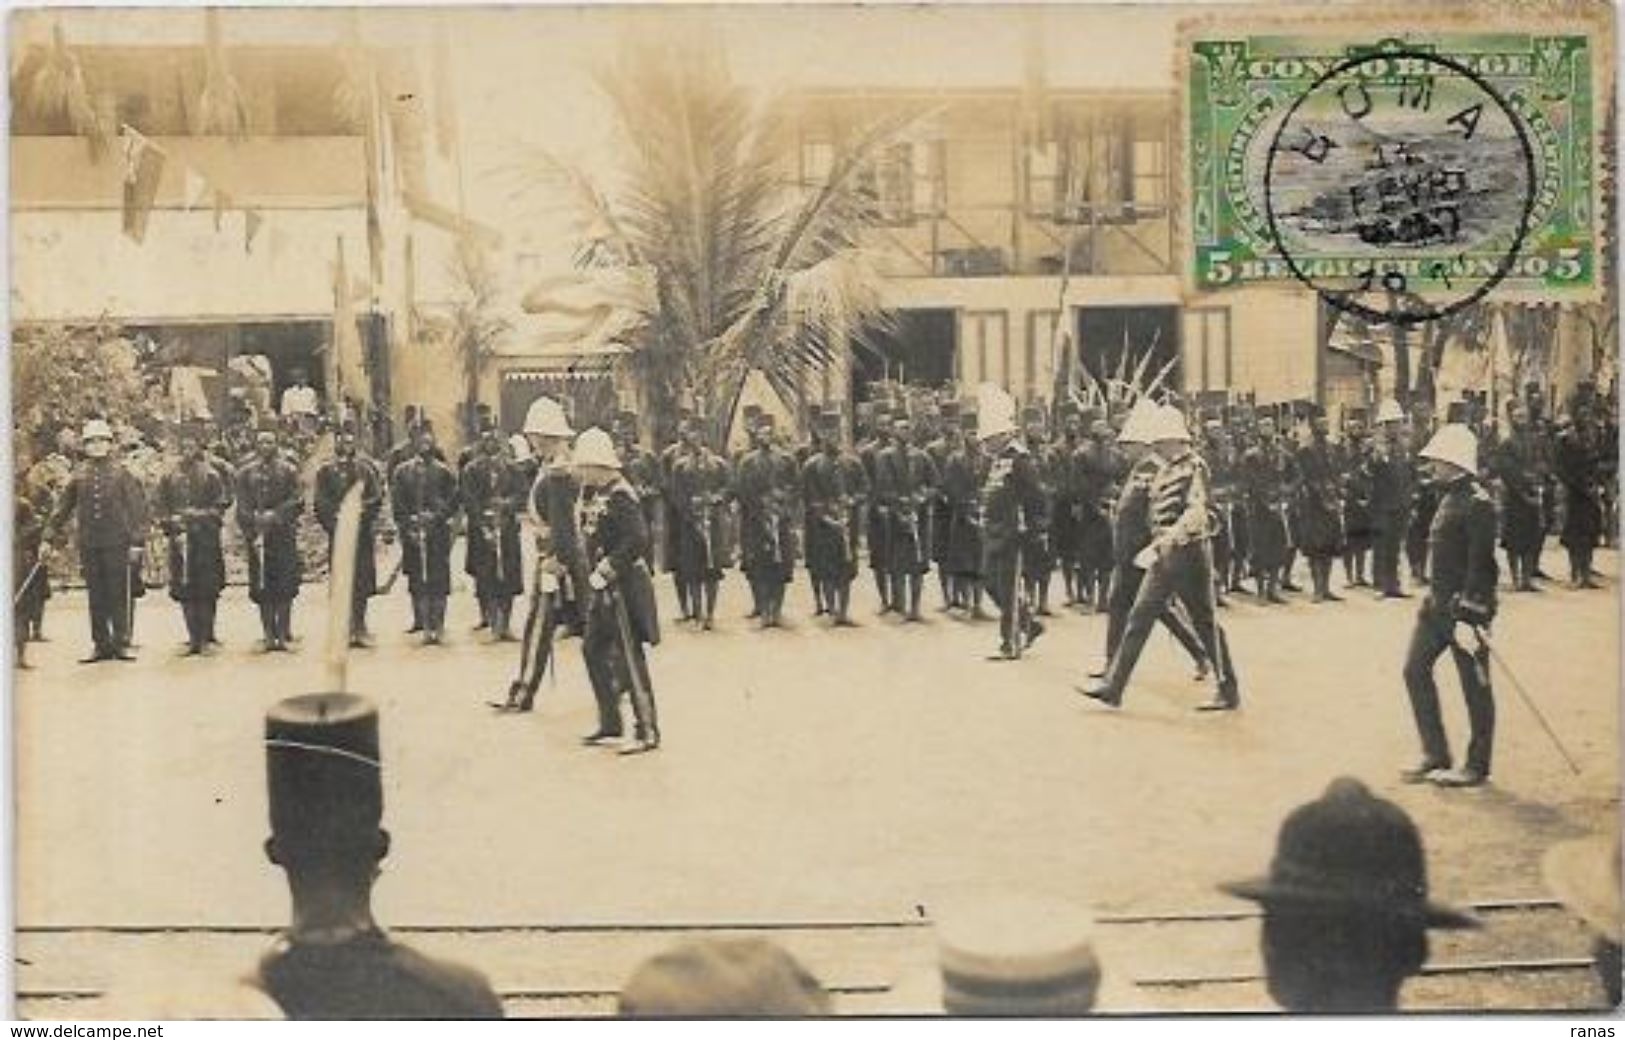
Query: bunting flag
pixel 194 190
pixel 252 219
pixel 143 168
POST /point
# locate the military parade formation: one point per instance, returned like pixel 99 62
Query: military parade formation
pixel 1153 513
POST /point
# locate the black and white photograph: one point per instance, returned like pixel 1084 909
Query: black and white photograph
pixel 814 510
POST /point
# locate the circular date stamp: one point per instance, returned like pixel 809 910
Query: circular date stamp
pixel 1400 186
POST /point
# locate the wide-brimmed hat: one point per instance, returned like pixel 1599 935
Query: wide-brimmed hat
pixel 594 447
pixel 1585 876
pixel 723 978
pixel 1351 850
pixel 1454 443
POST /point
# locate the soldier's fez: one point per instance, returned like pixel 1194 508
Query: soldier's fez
pixel 1350 852
pixel 323 776
pixel 1457 412
pixel 968 420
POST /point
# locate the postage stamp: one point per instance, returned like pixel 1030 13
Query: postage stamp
pixel 1401 177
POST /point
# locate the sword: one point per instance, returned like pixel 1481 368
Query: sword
pixel 28 582
pixel 341 590
pixel 1523 695
pixel 641 698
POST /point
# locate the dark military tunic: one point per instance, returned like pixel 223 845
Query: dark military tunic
pixel 1267 477
pixel 878 533
pixel 1096 473
pixel 1356 465
pixel 1013 516
pixel 962 480
pixel 1578 470
pixel 1519 465
pixel 423 496
pixel 192 501
pixel 1320 500
pixel 371 977
pixel 492 502
pixel 905 482
pixel 831 502
pixel 274 566
pixel 699 484
pixel 112 519
pixel 766 534
pixel 333 479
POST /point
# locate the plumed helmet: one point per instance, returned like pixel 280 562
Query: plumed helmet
pixel 1455 444
pixel 1139 426
pixel 545 418
pixel 594 447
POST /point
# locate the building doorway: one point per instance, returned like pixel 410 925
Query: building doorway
pixel 919 351
pixel 1115 343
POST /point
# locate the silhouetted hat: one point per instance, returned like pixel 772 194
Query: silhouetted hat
pixel 1353 851
pixel 723 978
pixel 323 774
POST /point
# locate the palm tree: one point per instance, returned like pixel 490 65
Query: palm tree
pixel 220 107
pixel 49 83
pixel 477 323
pixel 752 272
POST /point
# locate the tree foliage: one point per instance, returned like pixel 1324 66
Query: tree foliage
pixel 62 375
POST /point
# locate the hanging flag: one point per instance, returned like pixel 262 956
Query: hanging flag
pixel 252 219
pixel 143 167
pixel 222 202
pixel 194 189
pixel 346 362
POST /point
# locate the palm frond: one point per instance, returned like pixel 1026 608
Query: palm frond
pixel 221 110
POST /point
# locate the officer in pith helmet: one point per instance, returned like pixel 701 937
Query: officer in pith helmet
pixel 1012 513
pixel 112 523
pixel 326 798
pixel 621 618
pixel 1458 610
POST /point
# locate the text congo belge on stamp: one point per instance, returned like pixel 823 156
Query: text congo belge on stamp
pixel 1400 179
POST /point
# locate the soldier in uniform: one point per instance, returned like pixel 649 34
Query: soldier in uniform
pixel 561 575
pixel 905 482
pixel 192 501
pixel 1098 462
pixel 831 486
pixel 1520 468
pixel 1459 606
pixel 111 537
pixel 423 497
pixel 1013 513
pixel 326 798
pixel 334 478
pixel 1131 533
pixel 1357 525
pixel 1424 496
pixel 1039 560
pixel 643 471
pixel 766 554
pixel 1266 474
pixel 1578 466
pixel 1178 564
pixel 872 442
pixel 963 475
pixel 941 448
pixel 1219 454
pixel 1391 498
pixel 27 569
pixel 269 502
pixel 1320 500
pixel 492 501
pixel 621 617
pixel 699 488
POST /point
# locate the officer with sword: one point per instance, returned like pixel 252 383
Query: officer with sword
pixel 269 501
pixel 192 501
pixel 561 576
pixel 491 504
pixel 831 485
pixel 1456 613
pixel 423 497
pixel 348 468
pixel 1012 511
pixel 621 615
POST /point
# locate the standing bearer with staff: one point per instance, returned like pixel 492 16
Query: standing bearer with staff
pixel 269 501
pixel 1459 607
pixel 193 498
pixel 348 467
pixel 621 616
pixel 1178 563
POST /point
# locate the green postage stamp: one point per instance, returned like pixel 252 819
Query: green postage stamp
pixel 1400 176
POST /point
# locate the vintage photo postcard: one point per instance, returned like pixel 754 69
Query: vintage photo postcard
pixel 819 510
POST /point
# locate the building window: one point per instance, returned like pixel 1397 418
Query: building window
pixel 1040 344
pixel 906 182
pixel 1100 167
pixel 1207 348
pixel 986 345
pixel 817 160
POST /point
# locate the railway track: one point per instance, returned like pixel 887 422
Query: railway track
pixel 1531 955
